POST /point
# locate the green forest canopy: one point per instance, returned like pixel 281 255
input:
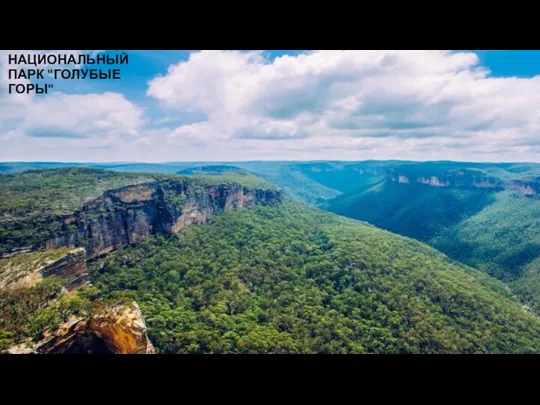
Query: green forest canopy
pixel 295 279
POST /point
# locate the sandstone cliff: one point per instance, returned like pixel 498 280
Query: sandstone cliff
pixel 466 179
pixel 118 217
pixel 123 216
pixel 526 187
pixel 116 329
pixel 103 328
pixel 28 269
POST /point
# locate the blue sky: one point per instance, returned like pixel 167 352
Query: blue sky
pixel 230 105
pixel 144 65
pixel 511 63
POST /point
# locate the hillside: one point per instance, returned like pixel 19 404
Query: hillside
pixel 486 217
pixel 220 262
pixel 294 279
pixel 58 207
pixel 54 220
pixel 310 182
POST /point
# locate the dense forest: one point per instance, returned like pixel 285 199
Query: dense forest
pixel 35 202
pixel 31 201
pixel 28 313
pixel 290 278
pixel 497 231
pixel 294 279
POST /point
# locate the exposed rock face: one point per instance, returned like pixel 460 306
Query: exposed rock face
pixel 28 269
pixel 434 181
pixel 451 179
pixel 468 179
pixel 114 329
pixel 123 216
pixel 72 267
pixel 123 330
pixel 118 329
pixel 529 188
pixel 403 179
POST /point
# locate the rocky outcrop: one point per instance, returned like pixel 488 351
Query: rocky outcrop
pixel 433 181
pixel 466 179
pixel 403 179
pixel 116 329
pixel 71 267
pixel 111 328
pixel 453 179
pixel 122 329
pixel 123 216
pixel 27 269
pixel 526 187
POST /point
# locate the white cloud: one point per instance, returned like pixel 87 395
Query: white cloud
pixel 397 103
pixel 314 105
pixel 82 116
pixel 88 120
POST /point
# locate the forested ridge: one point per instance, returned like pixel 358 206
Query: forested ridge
pixel 294 279
pixel 290 278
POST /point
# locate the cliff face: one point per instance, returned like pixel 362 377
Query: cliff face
pixel 116 329
pixel 122 329
pixel 28 269
pixel 117 218
pixel 526 187
pixel 451 179
pixel 465 179
pixel 123 216
pixel 72 267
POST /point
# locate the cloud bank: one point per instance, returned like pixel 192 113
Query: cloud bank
pixel 315 105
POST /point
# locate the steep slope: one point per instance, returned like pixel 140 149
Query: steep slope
pixel 413 210
pixel 47 306
pixel 53 221
pixel 81 207
pixel 294 279
pixel 311 182
pixel 28 269
pixel 33 202
pixel 488 218
pixel 307 181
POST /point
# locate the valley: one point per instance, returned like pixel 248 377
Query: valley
pixel 250 257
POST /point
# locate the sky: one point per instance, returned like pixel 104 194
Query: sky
pixel 465 105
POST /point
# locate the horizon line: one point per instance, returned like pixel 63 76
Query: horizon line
pixel 171 162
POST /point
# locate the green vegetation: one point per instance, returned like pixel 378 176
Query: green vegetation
pixel 31 201
pixel 58 190
pixel 502 239
pixel 286 175
pixel 29 313
pixel 495 231
pixel 294 279
pixel 528 285
pixel 312 182
pixel 415 210
pixel 25 266
pixel 233 177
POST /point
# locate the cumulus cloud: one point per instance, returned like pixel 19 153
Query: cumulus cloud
pixel 312 105
pixel 395 102
pixel 88 120
pixel 82 116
